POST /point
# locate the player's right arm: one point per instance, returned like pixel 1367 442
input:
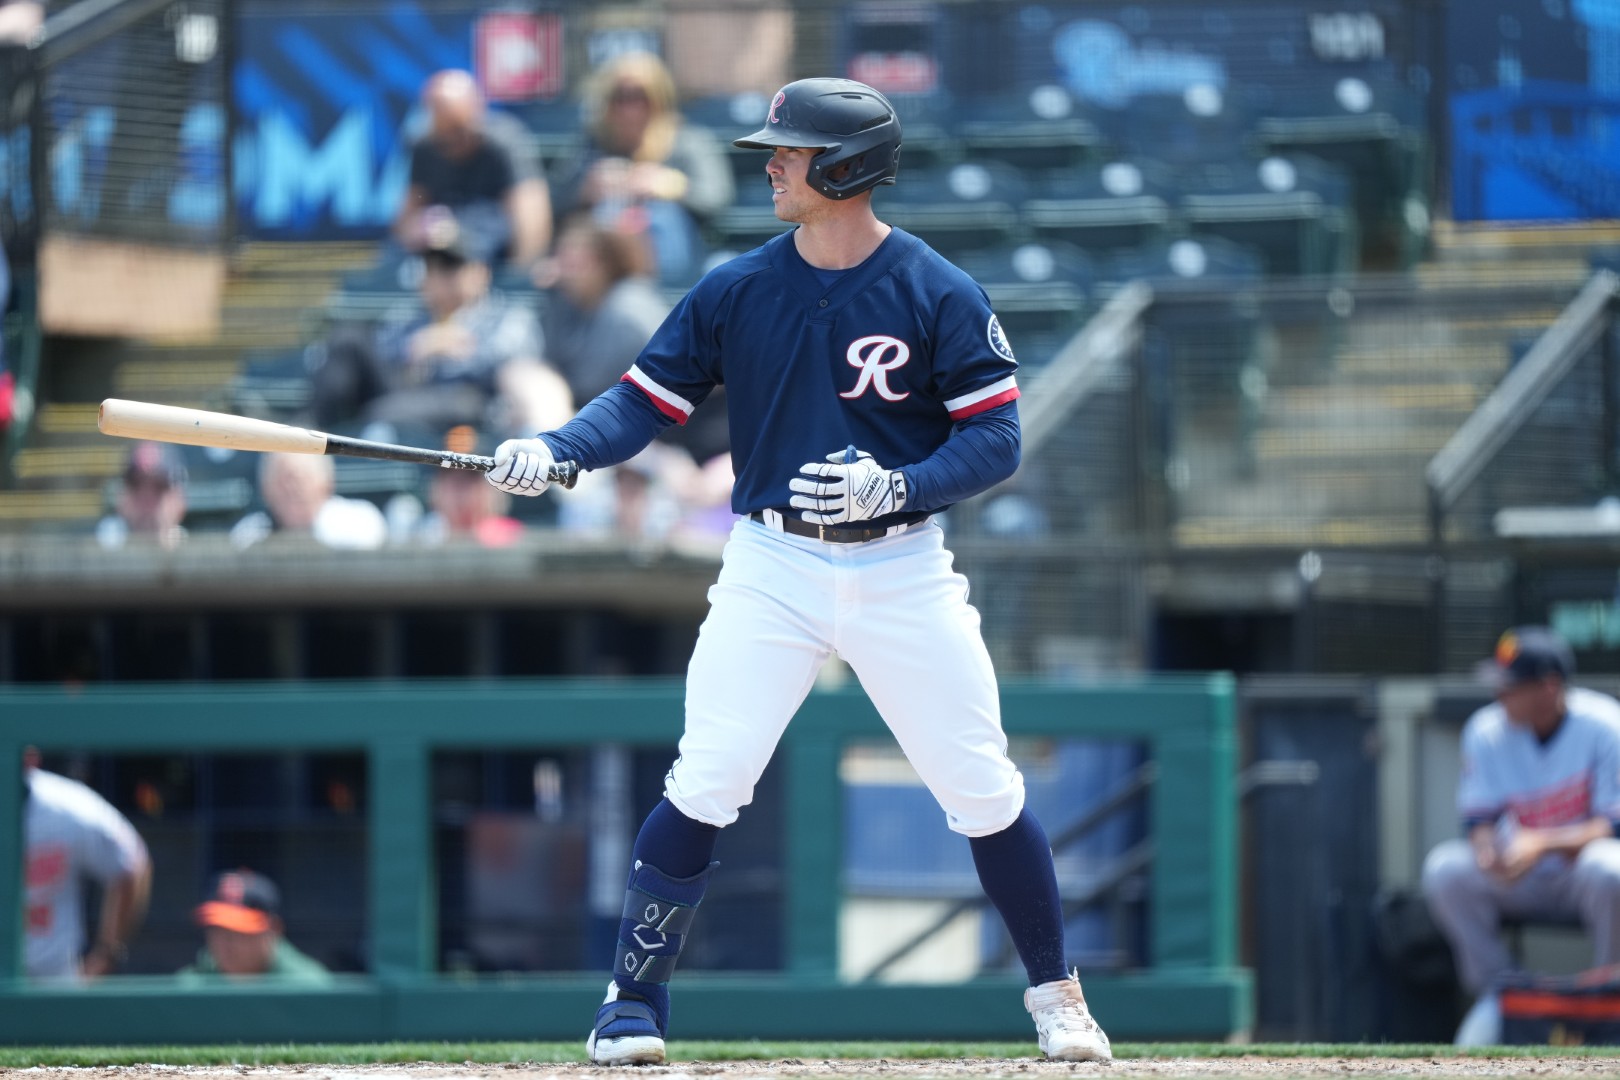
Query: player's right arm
pixel 667 382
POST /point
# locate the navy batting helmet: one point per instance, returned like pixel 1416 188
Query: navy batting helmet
pixel 851 123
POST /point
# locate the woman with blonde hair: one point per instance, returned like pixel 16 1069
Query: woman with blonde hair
pixel 644 169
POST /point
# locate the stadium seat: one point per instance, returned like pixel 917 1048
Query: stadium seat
pixel 1038 130
pixel 1374 129
pixel 957 208
pixel 1041 293
pixel 272 383
pixel 378 291
pixel 1205 263
pixel 1119 204
pixel 557 128
pixel 221 485
pixel 1294 211
pixel 1203 123
pixel 731 116
pixel 1200 345
pixel 927 138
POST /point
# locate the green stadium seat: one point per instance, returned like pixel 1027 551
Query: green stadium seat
pixel 1102 208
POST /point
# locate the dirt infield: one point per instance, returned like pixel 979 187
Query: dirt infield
pixel 1548 1068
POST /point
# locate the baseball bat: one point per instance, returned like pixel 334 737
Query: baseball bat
pixel 198 427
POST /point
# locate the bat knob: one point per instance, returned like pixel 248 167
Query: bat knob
pixel 565 473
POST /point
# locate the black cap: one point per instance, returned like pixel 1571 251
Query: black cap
pixel 155 460
pixel 242 901
pixel 1527 654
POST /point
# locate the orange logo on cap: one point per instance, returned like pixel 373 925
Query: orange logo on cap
pixel 1507 648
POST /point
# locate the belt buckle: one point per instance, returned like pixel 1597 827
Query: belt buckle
pixel 821 533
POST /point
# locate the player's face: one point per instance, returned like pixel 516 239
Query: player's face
pixel 791 196
pixel 1537 704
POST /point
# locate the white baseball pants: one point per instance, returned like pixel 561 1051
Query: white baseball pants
pixel 1468 904
pixel 897 612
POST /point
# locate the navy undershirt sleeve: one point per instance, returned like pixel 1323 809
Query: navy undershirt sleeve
pixel 614 426
pixel 981 452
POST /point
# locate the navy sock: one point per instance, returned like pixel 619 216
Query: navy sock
pixel 679 847
pixel 1015 868
pixel 675 843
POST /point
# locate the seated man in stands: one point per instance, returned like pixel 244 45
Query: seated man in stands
pixel 300 498
pixel 472 357
pixel 480 165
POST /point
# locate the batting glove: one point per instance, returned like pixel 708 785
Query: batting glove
pixel 522 466
pixel 845 490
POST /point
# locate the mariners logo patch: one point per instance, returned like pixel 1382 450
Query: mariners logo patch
pixel 999 342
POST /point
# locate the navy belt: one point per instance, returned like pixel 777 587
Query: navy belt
pixel 832 534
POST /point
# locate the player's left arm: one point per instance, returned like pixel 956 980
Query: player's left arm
pixel 981 452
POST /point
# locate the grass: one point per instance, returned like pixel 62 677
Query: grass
pixel 554 1053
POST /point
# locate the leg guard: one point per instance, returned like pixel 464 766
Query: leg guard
pixel 658 913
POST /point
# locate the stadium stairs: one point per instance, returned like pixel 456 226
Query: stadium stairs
pixel 62 474
pixel 1346 419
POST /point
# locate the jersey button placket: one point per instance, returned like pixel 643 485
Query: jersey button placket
pixel 823 302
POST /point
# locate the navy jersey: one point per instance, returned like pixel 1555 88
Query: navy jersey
pixel 888 358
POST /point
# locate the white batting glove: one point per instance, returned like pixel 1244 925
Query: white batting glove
pixel 859 490
pixel 522 466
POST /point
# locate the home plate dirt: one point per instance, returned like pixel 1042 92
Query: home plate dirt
pixel 1549 1068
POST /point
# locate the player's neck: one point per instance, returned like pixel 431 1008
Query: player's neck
pixel 840 240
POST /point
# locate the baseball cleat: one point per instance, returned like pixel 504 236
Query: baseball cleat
pixel 626 1032
pixel 1064 1024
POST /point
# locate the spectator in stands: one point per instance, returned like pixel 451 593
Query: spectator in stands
pixel 480 165
pixel 471 357
pixel 460 507
pixel 603 306
pixel 300 498
pixel 644 170
pixel 244 938
pixel 151 499
pixel 1539 800
pixel 73 837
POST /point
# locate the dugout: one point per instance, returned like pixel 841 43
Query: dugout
pixel 1187 983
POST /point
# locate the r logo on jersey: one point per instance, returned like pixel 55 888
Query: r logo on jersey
pixel 876 355
pixel 998 340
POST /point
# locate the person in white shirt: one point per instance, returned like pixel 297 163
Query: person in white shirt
pixel 1539 800
pixel 72 837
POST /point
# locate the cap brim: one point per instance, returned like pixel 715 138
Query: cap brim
pixel 244 920
pixel 766 139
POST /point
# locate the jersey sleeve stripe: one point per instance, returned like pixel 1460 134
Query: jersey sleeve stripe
pixel 986 397
pixel 670 404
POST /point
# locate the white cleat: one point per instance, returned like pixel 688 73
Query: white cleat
pixel 628 1033
pixel 1064 1024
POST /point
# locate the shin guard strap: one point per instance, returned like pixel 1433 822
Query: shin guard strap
pixel 645 909
pixel 643 966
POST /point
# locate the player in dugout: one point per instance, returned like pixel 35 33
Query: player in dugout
pixel 244 938
pixel 869 387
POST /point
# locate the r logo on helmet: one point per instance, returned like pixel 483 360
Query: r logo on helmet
pixel 776 103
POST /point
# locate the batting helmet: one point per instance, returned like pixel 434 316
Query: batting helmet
pixel 850 122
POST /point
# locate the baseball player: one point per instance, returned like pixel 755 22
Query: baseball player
pixel 869 387
pixel 1539 800
pixel 71 835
